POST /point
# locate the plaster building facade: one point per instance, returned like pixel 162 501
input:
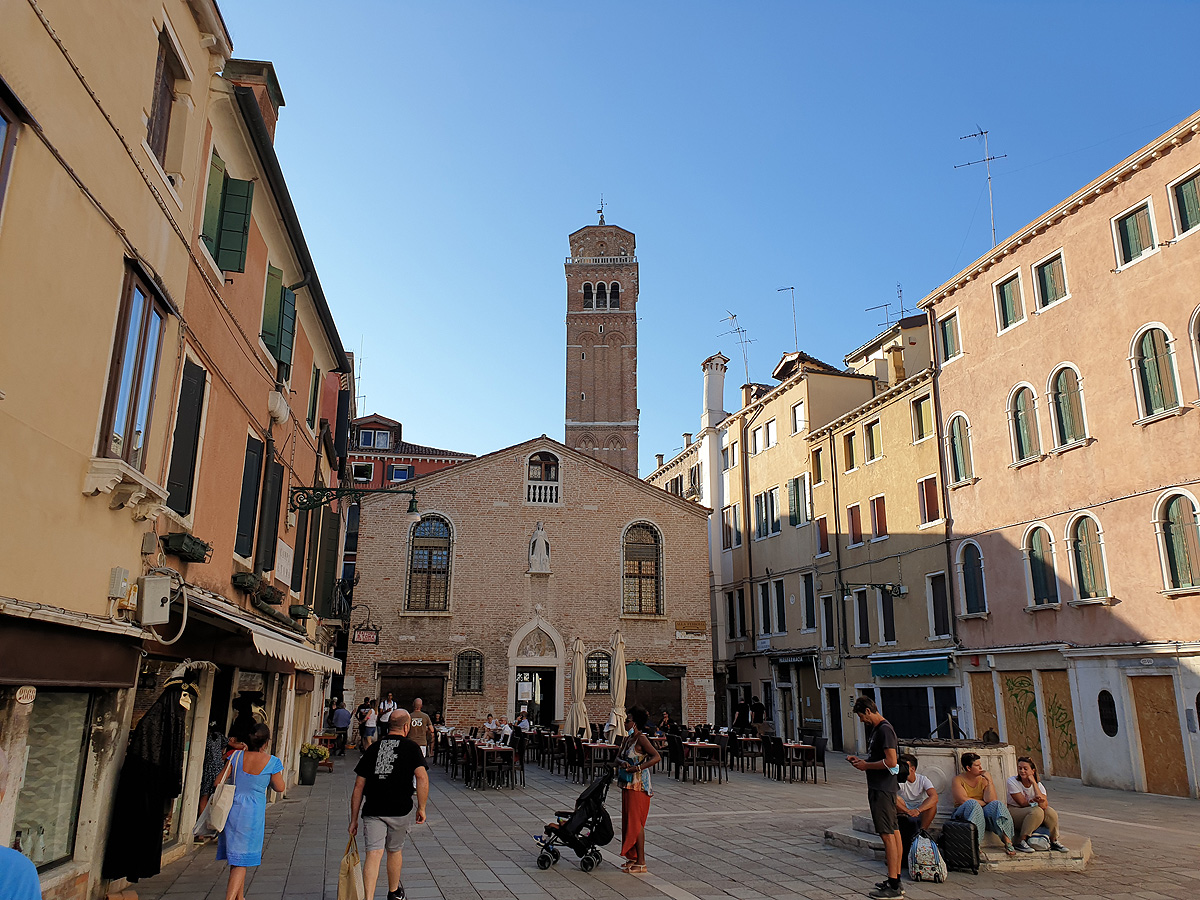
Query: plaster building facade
pixel 1067 379
pixel 512 557
pixel 163 433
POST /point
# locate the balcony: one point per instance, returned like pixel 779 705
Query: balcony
pixel 541 494
pixel 601 260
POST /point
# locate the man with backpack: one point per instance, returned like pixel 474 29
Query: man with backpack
pixel 881 765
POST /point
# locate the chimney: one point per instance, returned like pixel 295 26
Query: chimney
pixel 895 365
pixel 714 390
pixel 687 439
pixel 259 76
pixel 658 460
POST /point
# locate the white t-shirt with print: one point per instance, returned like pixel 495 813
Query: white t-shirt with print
pixel 1014 786
pixel 913 792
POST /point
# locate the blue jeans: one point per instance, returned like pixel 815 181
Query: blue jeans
pixel 993 817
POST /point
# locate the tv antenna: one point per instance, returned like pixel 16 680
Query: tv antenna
pixel 987 161
pixel 795 331
pixel 900 297
pixel 743 340
pixel 887 314
pixel 360 399
pixel 600 211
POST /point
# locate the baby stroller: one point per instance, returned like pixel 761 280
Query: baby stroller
pixel 585 829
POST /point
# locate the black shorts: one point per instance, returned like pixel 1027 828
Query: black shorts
pixel 883 811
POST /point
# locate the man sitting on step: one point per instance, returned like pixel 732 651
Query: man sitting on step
pixel 916 802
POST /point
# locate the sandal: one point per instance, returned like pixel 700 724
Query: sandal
pixel 1009 849
pixel 636 869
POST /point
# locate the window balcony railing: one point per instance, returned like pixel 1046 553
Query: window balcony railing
pixel 541 493
pixel 600 260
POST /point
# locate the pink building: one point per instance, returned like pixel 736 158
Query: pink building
pixel 1068 369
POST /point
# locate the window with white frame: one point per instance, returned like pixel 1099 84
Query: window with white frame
pixel 731 529
pixel 849 452
pixel 873 440
pixel 854 525
pixel 887 618
pixel 1154 365
pixel 799 500
pixel 398 472
pixel 729 455
pixel 757 445
pixel 822 535
pixel 1022 417
pixel 862 618
pixel 1066 399
pixel 1091 582
pixel 939 605
pixel 1010 309
pixel 1186 195
pixel 922 418
pixel 780 622
pixel 366 439
pixel 879 528
pixel 363 471
pixel 770 433
pixel 927 500
pixel 1179 542
pixel 970 566
pixel 1039 558
pixel 959 445
pixel 1050 279
pixel 766 513
pixel 828 623
pixel 818 465
pixel 948 342
pixel 1134 233
pixel 799 423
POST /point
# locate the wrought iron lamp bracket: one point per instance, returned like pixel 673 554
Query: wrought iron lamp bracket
pixel 316 497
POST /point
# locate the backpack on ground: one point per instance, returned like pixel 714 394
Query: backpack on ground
pixel 1040 839
pixel 925 863
pixel 959 844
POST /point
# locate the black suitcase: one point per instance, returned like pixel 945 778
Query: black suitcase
pixel 959 844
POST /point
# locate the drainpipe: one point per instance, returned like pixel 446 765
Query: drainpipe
pixel 951 581
pixel 837 530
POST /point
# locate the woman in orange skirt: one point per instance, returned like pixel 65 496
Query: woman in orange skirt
pixel 634 761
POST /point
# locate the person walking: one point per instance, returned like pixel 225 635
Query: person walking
pixel 252 771
pixel 341 723
pixel 370 724
pixel 385 710
pixel 882 765
pixel 635 759
pixel 420 729
pixel 386 776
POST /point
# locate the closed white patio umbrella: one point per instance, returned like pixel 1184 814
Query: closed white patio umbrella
pixel 617 683
pixel 577 715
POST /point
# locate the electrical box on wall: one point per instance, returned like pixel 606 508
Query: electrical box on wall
pixel 154 599
pixel 118 583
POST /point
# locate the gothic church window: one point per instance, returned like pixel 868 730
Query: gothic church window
pixel 601 296
pixel 587 295
pixel 429 566
pixel 642 591
pixel 614 296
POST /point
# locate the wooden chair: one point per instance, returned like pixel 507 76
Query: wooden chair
pixel 555 755
pixel 753 752
pixel 682 758
pixel 722 742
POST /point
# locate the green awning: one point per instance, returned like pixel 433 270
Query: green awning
pixel 911 668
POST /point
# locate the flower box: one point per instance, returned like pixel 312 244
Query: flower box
pixel 187 547
pixel 247 581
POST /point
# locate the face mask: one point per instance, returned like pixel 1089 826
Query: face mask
pixel 630 732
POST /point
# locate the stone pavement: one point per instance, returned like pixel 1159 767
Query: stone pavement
pixel 748 839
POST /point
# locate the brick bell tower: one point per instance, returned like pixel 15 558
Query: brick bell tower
pixel 602 292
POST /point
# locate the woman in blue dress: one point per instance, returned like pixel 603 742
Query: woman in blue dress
pixel 241 842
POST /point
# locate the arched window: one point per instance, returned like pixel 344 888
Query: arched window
pixel 974 598
pixel 1023 416
pixel 468 672
pixel 1089 559
pixel 642 581
pixel 429 566
pixel 1181 544
pixel 601 296
pixel 599 665
pixel 1039 552
pixel 1107 707
pixel 1155 367
pixel 1068 407
pixel 541 479
pixel 960 450
pixel 587 295
pixel 614 296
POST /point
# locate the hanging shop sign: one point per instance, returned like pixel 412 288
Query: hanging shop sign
pixel 365 634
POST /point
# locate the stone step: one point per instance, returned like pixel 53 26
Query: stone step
pixel 859 838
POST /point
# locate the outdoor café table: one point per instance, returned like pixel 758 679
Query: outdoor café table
pixel 752 750
pixel 490 754
pixel 700 751
pixel 798 755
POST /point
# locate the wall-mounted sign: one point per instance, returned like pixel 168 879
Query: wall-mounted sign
pixel 691 630
pixel 26 694
pixel 365 635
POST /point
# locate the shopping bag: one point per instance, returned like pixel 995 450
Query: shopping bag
pixel 350 876
pixel 222 798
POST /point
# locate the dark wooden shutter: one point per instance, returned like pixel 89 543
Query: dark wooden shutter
pixel 234 231
pixel 247 509
pixel 793 489
pixel 941 604
pixel 212 203
pixel 268 529
pixel 341 434
pixel 327 566
pixel 272 298
pixel 298 557
pixel 287 326
pixel 186 441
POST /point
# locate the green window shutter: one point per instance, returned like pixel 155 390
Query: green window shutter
pixel 325 603
pixel 233 232
pixel 298 554
pixel 272 309
pixel 187 438
pixel 793 488
pixel 287 326
pixel 212 203
pixel 248 506
pixel 1089 564
pixel 1187 198
pixel 1068 407
pixel 1010 313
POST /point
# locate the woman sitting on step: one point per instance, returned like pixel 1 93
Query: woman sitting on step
pixel 1028 806
pixel 976 800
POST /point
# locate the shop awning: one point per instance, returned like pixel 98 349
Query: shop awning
pixel 911 668
pixel 273 643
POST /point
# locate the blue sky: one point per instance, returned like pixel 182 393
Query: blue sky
pixel 440 153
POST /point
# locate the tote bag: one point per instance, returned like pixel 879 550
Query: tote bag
pixel 222 798
pixel 350 876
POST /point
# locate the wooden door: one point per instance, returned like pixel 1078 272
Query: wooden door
pixel 1159 733
pixel 1060 723
pixel 1021 715
pixel 983 704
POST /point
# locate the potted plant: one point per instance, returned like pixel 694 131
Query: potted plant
pixel 187 546
pixel 246 581
pixel 311 756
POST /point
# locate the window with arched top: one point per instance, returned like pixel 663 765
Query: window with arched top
pixel 1090 580
pixel 1022 416
pixel 587 295
pixel 614 296
pixel 542 478
pixel 468 672
pixel 959 437
pixel 1039 553
pixel 599 672
pixel 1067 401
pixel 429 566
pixel 1154 364
pixel 971 564
pixel 601 296
pixel 1180 543
pixel 642 592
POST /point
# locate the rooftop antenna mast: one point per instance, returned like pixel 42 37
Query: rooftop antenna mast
pixel 987 161
pixel 900 297
pixel 887 314
pixel 795 331
pixel 743 340
pixel 359 396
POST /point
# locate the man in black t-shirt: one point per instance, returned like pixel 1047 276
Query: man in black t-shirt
pixel 758 715
pixel 881 765
pixel 387 773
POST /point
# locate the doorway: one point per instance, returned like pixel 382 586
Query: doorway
pixel 1159 734
pixel 785 727
pixel 833 701
pixel 536 694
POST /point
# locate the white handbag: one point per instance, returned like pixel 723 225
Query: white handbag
pixel 222 798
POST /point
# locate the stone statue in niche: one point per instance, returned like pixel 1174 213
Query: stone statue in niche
pixel 539 552
pixel 537 643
